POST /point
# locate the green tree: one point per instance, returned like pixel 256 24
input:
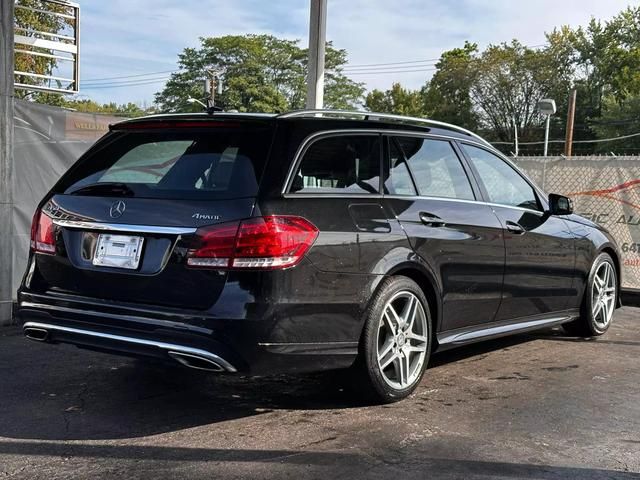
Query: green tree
pixel 509 81
pixel 447 96
pixel 397 100
pixel 261 73
pixel 619 118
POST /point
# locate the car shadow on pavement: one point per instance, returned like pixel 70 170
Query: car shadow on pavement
pixel 312 460
pixel 62 393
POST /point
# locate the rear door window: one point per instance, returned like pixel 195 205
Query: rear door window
pixel 216 163
pixel 436 168
pixel 340 164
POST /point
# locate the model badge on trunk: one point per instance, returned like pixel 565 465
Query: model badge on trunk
pixel 203 216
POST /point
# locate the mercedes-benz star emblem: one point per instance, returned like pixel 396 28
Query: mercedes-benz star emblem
pixel 117 209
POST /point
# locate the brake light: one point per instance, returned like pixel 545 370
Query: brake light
pixel 43 238
pixel 258 243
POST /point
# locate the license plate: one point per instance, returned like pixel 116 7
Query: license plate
pixel 118 251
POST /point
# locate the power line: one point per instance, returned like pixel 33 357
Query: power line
pixel 124 82
pixel 379 72
pixel 430 60
pixel 92 80
pixel 599 140
pixel 130 84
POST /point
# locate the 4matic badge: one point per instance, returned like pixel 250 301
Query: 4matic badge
pixel 206 216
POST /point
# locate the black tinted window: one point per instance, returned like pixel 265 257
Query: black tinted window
pixel 504 185
pixel 398 180
pixel 219 163
pixel 340 164
pixel 436 168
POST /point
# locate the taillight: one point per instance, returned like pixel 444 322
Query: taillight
pixel 257 243
pixel 42 234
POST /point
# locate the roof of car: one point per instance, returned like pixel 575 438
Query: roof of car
pixel 350 118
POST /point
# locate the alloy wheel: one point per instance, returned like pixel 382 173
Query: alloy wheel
pixel 402 340
pixel 603 295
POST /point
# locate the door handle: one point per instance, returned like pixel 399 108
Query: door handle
pixel 431 220
pixel 514 227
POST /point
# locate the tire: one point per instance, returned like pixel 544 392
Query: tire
pixel 394 349
pixel 599 302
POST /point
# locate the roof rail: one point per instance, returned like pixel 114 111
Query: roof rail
pixel 354 114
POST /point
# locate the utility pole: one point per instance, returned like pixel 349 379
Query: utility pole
pixel 317 40
pixel 6 159
pixel 213 85
pixel 571 117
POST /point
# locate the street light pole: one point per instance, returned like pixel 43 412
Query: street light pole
pixel 317 40
pixel 515 131
pixel 546 135
pixel 547 107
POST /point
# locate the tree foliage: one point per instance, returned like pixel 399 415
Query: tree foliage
pixel 262 73
pixel 447 96
pixel 397 100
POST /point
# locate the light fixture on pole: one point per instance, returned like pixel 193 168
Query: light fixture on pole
pixel 192 100
pixel 547 107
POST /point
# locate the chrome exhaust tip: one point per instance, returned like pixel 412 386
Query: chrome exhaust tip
pixel 196 362
pixel 37 334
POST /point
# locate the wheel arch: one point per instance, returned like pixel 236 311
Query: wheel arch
pixel 428 285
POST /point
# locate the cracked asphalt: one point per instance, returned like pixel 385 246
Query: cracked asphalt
pixel 539 406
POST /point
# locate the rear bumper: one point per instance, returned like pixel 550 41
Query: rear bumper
pixel 231 345
pixel 56 333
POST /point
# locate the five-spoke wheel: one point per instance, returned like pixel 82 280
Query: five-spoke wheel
pixel 603 301
pixel 600 299
pixel 402 340
pixel 396 342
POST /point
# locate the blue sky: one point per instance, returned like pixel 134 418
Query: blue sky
pixel 138 37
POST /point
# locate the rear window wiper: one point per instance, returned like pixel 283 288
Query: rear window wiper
pixel 106 189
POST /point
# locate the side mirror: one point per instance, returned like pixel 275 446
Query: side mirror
pixel 560 205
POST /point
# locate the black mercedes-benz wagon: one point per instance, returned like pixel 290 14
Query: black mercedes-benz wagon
pixel 306 241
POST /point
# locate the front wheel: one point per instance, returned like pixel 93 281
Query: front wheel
pixel 599 301
pixel 396 342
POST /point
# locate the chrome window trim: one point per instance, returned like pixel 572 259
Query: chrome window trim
pixel 407 197
pixel 391 132
pixel 306 143
pixel 121 227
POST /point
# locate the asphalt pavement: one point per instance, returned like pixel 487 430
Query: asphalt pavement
pixel 539 406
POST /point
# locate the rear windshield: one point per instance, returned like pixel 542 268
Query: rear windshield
pixel 220 163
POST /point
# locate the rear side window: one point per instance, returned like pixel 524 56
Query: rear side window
pixel 217 163
pixel 340 164
pixel 436 168
pixel 398 180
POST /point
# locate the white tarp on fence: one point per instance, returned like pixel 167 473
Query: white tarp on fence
pixel 48 140
pixel 605 190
